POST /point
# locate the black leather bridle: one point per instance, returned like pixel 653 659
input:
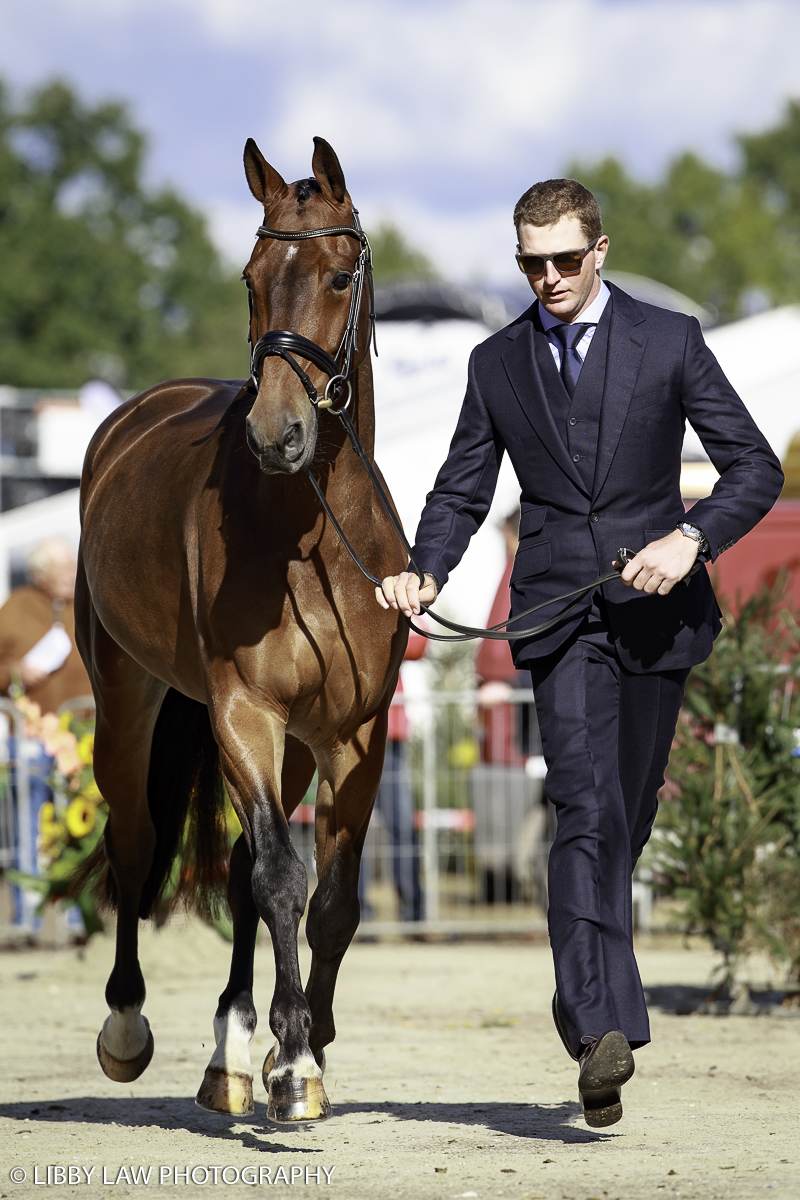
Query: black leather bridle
pixel 286 344
pixel 289 346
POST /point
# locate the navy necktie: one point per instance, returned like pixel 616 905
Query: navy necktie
pixel 571 362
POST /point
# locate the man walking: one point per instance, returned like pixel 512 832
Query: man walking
pixel 588 393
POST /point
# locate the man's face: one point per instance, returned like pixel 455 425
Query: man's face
pixel 565 296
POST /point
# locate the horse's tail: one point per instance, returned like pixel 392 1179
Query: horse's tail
pixel 186 798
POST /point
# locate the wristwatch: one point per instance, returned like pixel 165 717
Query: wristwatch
pixel 691 531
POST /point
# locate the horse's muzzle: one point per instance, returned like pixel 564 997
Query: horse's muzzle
pixel 289 453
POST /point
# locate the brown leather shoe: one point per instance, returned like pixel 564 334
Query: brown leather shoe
pixel 606 1064
pixel 561 1029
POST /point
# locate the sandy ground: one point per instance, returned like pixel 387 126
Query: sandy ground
pixel 447 1080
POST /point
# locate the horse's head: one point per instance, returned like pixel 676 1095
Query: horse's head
pixel 304 286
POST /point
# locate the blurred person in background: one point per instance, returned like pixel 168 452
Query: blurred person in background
pixel 395 805
pixel 37 649
pixel 37 630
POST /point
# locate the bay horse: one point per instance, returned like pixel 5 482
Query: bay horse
pixel 228 635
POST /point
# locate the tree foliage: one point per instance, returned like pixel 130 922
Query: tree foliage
pixel 730 240
pixel 394 259
pixel 101 275
pixel 727 838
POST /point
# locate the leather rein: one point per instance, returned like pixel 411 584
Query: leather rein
pixel 336 397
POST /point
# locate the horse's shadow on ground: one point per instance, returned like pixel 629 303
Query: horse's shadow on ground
pixel 538 1122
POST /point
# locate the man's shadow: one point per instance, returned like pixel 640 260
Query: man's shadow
pixel 537 1122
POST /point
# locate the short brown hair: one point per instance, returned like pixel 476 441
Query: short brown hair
pixel 546 203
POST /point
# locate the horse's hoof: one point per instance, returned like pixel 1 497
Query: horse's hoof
pixel 269 1063
pixel 293 1101
pixel 125 1070
pixel 229 1092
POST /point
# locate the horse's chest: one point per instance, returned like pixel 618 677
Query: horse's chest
pixel 324 662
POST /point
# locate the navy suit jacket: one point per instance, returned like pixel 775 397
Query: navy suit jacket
pixel 659 373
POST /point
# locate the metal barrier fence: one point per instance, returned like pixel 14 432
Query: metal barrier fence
pixel 461 831
pixel 17 826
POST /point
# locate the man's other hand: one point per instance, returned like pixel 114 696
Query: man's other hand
pixel 661 564
pixel 404 592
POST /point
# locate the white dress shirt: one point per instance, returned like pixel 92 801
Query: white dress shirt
pixel 590 317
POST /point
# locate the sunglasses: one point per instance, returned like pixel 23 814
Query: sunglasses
pixel 568 262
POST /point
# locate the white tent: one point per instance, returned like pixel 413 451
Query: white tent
pixel 420 376
pixel 761 357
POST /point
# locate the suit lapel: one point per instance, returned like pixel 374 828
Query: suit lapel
pixel 627 338
pixel 528 360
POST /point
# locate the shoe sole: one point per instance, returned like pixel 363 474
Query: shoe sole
pixel 610 1065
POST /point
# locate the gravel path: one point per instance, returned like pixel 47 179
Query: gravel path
pixel 447 1080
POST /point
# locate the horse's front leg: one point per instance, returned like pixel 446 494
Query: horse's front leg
pixel 344 805
pixel 227 1085
pixel 252 749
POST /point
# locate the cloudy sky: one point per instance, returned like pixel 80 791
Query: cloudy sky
pixel 442 111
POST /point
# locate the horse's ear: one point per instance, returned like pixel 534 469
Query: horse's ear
pixel 327 170
pixel 263 180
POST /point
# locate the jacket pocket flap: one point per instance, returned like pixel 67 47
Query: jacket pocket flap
pixel 532 520
pixel 530 560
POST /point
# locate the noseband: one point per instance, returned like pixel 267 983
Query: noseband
pixel 286 344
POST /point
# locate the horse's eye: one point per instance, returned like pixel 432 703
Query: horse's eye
pixel 342 281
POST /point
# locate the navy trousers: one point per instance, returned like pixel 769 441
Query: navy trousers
pixel 606 736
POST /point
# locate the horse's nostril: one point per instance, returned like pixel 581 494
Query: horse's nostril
pixel 293 440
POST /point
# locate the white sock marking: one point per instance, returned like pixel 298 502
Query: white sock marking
pixel 233 1045
pixel 124 1034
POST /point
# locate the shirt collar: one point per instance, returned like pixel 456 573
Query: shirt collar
pixel 591 316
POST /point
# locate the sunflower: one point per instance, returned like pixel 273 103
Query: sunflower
pixel 80 817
